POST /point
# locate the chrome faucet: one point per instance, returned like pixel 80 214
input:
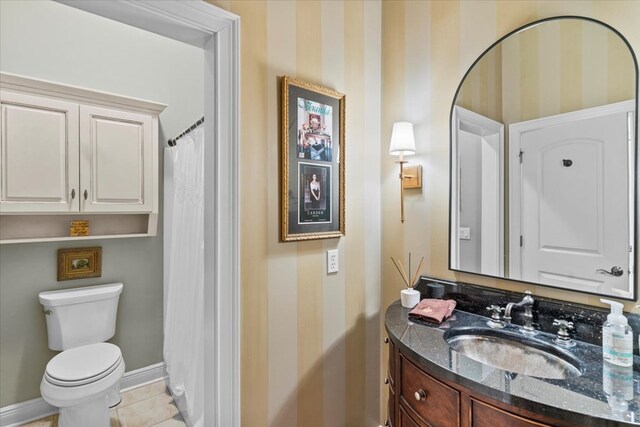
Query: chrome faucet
pixel 527 303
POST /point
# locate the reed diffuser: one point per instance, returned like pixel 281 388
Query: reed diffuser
pixel 409 297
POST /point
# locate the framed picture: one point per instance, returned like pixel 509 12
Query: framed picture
pixel 312 150
pixel 79 263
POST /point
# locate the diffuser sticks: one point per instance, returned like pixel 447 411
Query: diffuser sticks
pixel 403 273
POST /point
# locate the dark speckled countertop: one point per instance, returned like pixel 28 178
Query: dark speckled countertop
pixel 581 399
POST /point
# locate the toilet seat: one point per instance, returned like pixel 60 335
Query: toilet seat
pixel 83 365
pixel 64 394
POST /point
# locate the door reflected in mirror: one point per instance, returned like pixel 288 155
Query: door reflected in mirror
pixel 543 155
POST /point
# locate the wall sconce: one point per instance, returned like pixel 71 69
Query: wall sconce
pixel 403 144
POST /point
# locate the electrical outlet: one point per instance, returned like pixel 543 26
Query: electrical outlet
pixel 332 261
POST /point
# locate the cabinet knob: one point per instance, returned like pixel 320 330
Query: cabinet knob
pixel 86 194
pixel 386 380
pixel 73 193
pixel 420 395
pixel 386 340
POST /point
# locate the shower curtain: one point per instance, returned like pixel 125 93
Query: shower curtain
pixel 184 274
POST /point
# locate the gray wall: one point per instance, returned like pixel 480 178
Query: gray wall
pixel 54 42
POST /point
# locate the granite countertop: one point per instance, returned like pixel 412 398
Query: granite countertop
pixel 581 399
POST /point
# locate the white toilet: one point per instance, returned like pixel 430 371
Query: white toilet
pixel 84 379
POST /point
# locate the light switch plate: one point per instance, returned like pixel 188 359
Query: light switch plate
pixel 332 261
pixel 464 233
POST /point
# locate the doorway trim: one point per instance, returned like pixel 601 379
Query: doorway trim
pixel 492 134
pixel 217 32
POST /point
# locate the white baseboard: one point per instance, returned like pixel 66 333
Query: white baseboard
pixel 31 410
pixel 143 376
pixel 23 412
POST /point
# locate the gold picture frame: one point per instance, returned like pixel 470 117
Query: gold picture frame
pixel 79 263
pixel 312 147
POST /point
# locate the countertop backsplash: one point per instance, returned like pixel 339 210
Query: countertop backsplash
pixel 587 320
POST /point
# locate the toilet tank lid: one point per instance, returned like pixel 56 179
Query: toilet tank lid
pixel 80 295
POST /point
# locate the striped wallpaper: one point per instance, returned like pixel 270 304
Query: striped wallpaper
pixel 311 343
pixel 554 68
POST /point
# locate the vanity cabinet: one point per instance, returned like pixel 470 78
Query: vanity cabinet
pixel 83 153
pixel 419 399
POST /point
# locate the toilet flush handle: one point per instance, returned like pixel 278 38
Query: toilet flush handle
pixel 48 312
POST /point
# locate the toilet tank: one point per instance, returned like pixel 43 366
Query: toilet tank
pixel 80 316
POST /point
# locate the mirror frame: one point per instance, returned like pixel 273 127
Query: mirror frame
pixel 634 223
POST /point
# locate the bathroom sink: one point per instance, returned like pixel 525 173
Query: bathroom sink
pixel 513 352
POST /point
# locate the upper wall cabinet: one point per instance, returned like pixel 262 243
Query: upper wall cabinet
pixel 38 154
pixel 68 150
pixel 115 160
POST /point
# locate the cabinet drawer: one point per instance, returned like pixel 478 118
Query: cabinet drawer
pixel 483 415
pixel 406 420
pixel 433 402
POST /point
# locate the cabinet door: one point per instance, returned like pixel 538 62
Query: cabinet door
pixel 392 364
pixel 391 408
pixel 116 152
pixel 38 154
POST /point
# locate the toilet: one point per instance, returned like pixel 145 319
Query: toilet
pixel 84 379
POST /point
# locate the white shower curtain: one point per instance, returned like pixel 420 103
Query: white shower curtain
pixel 184 274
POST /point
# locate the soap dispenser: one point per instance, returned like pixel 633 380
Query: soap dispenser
pixel 617 336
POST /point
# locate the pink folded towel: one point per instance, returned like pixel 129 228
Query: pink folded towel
pixel 433 310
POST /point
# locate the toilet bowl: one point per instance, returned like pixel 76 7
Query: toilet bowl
pixel 83 381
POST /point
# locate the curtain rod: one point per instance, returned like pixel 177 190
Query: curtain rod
pixel 172 142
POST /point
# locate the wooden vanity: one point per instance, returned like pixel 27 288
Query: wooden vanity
pixel 431 385
pixel 419 399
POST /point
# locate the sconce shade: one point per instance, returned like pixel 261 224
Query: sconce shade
pixel 402 141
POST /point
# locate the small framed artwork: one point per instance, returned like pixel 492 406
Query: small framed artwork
pixel 312 162
pixel 79 263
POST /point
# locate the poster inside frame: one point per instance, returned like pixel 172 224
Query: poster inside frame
pixel 312 153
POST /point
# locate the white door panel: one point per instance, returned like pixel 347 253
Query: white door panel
pixel 38 154
pixel 573 206
pixel 570 197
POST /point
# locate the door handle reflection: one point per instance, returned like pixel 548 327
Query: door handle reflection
pixel 615 271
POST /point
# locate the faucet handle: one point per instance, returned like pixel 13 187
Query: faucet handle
pixel 495 321
pixel 563 338
pixel 563 324
pixel 495 311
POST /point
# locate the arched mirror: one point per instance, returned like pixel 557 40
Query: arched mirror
pixel 543 159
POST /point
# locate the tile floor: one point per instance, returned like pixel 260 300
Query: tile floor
pixel 145 406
